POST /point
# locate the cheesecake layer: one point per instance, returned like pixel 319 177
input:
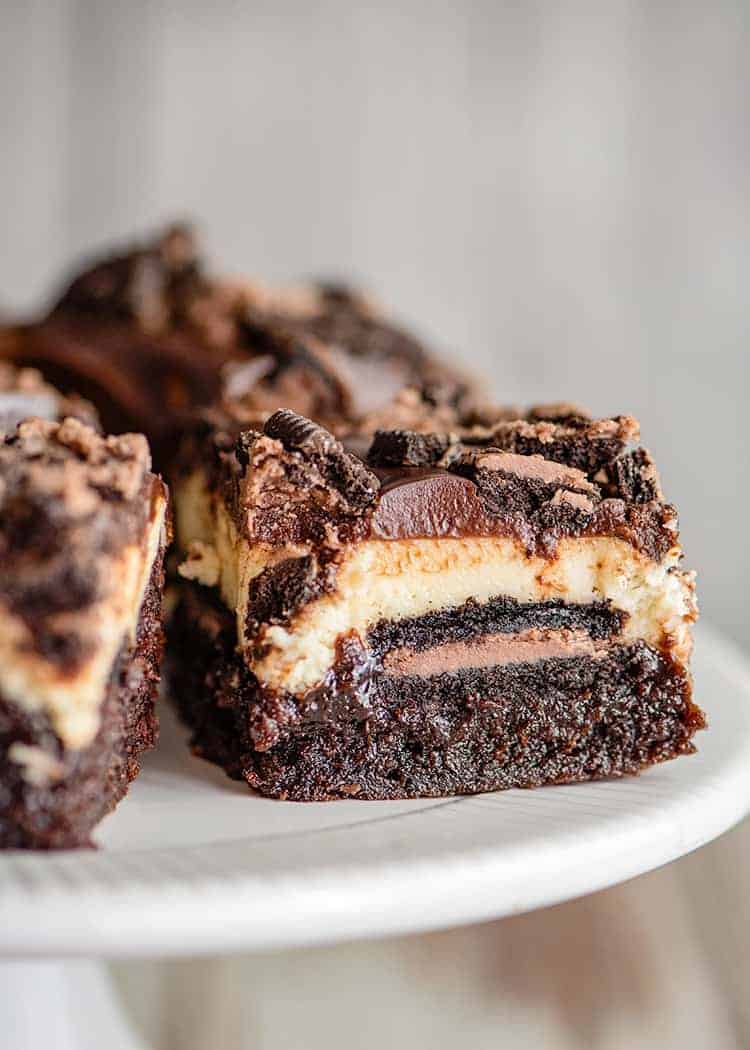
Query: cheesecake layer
pixel 71 696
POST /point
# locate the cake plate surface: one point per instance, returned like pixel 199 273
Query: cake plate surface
pixel 192 862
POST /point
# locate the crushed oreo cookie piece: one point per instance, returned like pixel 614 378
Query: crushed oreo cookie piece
pixel 408 448
pixel 586 444
pixel 278 592
pixel 298 434
pixel 346 473
pixel 634 477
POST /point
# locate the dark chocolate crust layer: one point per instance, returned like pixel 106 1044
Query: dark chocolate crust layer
pixel 524 725
pixel 60 811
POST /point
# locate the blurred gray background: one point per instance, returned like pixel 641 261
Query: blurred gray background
pixel 556 193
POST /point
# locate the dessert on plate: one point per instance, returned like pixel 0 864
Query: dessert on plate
pixel 388 588
pixel 430 611
pixel 82 536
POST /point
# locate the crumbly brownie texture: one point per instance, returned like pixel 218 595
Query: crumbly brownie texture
pixel 52 796
pixel 82 539
pixel 383 624
pixel 150 336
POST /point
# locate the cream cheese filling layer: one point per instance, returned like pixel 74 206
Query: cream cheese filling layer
pixel 397 579
pixel 73 702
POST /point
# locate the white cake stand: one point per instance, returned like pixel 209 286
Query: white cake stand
pixel 193 863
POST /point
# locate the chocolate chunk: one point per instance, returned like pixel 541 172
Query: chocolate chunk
pixel 520 486
pixel 151 284
pixel 529 468
pixel 407 448
pixel 301 373
pixel 634 477
pixel 423 502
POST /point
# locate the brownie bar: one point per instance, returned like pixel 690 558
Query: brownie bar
pixel 446 611
pixel 150 336
pixel 83 532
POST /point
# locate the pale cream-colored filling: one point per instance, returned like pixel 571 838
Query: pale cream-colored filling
pixel 73 702
pixel 395 579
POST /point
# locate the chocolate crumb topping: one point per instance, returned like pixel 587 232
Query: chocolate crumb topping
pixel 586 444
pixel 345 472
pixel 70 499
pixel 577 481
pixel 394 448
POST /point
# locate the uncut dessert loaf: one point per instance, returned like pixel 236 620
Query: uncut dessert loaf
pixel 423 612
pixel 149 335
pixel 82 536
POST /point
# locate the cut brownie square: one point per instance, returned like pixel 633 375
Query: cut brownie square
pixel 446 612
pixel 82 535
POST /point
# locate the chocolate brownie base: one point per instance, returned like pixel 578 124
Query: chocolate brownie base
pixel 56 804
pixel 522 725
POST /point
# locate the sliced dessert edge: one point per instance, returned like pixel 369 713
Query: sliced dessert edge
pixel 445 613
pixel 83 529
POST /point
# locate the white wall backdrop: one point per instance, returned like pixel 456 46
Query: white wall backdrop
pixel 555 191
